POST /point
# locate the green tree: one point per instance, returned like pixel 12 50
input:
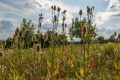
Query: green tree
pixel 77 28
pixel 28 33
pixel 101 39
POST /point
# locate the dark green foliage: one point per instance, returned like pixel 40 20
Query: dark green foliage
pixel 101 39
pixel 9 43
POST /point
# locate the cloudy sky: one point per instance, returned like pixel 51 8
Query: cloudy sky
pixel 106 15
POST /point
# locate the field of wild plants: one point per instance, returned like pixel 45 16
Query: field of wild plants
pixel 31 55
pixel 68 63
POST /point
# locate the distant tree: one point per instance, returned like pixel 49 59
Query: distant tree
pixel 113 38
pixel 76 29
pixel 28 33
pixel 101 39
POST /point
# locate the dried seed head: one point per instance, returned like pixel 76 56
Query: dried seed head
pixel 84 30
pixel 65 24
pixel 17 31
pixel 38 47
pixel 88 9
pixel 51 7
pixel 1 54
pixel 20 34
pixel 58 9
pixel 64 12
pixel 54 7
pixel 80 12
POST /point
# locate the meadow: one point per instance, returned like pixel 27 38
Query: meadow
pixel 67 64
pixel 31 55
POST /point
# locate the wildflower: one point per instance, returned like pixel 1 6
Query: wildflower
pixel 38 47
pixel 81 72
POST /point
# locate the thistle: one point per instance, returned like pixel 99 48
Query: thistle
pixel 20 34
pixel 38 47
pixel 80 13
pixel 17 31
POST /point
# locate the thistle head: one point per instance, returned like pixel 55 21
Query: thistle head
pixel 51 7
pixel 84 30
pixel 80 12
pixel 65 25
pixel 17 31
pixel 20 34
pixel 64 12
pixel 88 9
pixel 38 47
pixel 54 7
pixel 58 9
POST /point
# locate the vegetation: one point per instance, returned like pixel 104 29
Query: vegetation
pixel 48 56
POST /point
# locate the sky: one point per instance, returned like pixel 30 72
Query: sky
pixel 106 14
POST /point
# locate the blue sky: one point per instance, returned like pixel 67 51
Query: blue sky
pixel 106 15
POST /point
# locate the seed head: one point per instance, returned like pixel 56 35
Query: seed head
pixel 54 7
pixel 58 9
pixel 17 31
pixel 20 34
pixel 51 7
pixel 80 12
pixel 38 47
pixel 64 12
pixel 84 30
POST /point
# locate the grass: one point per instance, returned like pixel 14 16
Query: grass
pixel 67 64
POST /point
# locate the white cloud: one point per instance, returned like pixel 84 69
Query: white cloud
pixel 113 4
pixel 112 11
